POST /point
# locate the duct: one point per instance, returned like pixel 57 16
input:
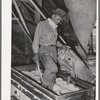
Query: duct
pixel 82 15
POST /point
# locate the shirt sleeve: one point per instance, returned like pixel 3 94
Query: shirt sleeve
pixel 38 33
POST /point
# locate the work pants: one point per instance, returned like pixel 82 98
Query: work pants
pixel 48 57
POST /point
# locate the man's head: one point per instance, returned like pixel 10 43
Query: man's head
pixel 58 15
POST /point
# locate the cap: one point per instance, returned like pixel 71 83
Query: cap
pixel 60 13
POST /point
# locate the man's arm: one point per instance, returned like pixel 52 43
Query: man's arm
pixel 38 33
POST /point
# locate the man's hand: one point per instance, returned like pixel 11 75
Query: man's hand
pixel 36 57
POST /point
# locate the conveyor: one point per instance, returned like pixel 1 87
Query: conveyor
pixel 25 88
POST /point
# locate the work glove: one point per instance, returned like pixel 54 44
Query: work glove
pixel 36 57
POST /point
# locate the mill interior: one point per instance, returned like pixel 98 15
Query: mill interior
pixel 78 32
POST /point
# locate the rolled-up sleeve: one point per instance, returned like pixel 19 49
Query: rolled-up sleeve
pixel 38 33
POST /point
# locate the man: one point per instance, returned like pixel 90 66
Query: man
pixel 44 46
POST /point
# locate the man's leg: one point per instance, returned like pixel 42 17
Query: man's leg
pixel 50 70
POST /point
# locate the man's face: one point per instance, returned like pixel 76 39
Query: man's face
pixel 56 19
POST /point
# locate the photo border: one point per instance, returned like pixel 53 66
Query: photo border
pixel 98 82
pixel 6 16
pixel 0 49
